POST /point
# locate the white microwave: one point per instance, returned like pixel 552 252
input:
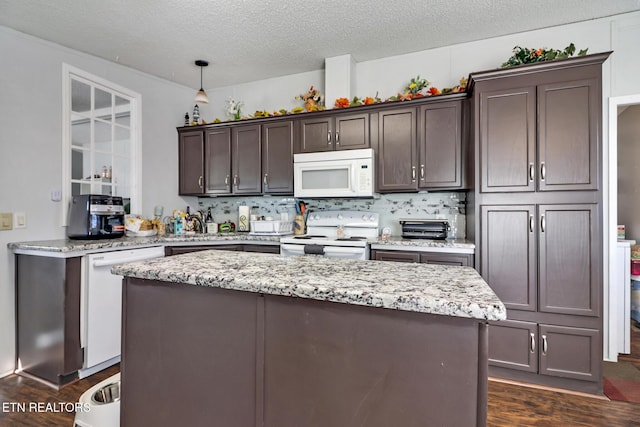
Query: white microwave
pixel 347 173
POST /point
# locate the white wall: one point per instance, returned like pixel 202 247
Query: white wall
pixel 30 115
pixel 31 144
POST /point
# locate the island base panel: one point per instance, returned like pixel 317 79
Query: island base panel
pixel 343 365
pixel 197 355
pixel 188 356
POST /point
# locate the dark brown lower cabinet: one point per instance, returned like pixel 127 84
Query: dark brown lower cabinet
pixel 443 258
pixel 544 262
pixel 552 350
pixel 177 250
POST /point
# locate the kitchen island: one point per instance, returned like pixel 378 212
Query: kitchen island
pixel 240 339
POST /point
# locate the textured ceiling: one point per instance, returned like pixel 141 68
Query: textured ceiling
pixel 251 40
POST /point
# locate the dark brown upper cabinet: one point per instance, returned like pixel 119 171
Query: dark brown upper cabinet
pixel 440 145
pixel 396 150
pixel 246 156
pixel 335 131
pixel 190 163
pixel 237 159
pixel 508 139
pixel 540 137
pixel 277 157
pixel 568 135
pixel 421 148
pixel 217 154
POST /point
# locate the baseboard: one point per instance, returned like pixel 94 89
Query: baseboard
pixel 6 374
pixel 547 388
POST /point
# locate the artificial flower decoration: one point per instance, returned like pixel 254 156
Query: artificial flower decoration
pixel 313 100
pixel 528 56
pixel 342 103
pixel 416 85
pixel 234 108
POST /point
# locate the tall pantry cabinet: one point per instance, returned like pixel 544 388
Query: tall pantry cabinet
pixel 538 218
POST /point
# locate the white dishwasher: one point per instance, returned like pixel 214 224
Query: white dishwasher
pixel 101 306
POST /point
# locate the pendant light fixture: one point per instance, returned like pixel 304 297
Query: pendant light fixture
pixel 201 96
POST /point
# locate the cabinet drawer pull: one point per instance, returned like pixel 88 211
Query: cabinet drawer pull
pixel 543 223
pixel 544 345
pixel 532 172
pixel 337 138
pixel 329 138
pixel 200 179
pixel 264 180
pixel 422 172
pixel 543 171
pixel 532 342
pixel 413 174
pixel 531 223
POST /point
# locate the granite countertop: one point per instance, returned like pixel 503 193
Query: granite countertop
pixel 423 243
pixel 72 245
pixel 66 246
pixel 424 288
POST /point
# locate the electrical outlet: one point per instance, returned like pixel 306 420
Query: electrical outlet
pixel 20 220
pixel 6 221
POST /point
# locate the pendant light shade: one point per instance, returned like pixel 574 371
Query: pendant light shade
pixel 201 96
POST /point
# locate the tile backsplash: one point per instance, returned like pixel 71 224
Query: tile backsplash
pixel 391 207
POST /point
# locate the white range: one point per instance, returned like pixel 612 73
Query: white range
pixel 334 234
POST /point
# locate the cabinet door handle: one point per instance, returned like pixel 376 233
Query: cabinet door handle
pixel 235 180
pixel 532 342
pixel 543 171
pixel 329 137
pixel 337 137
pixel 422 172
pixel 531 223
pixel 532 172
pixel 413 174
pixel 226 180
pixel 543 223
pixel 544 345
pixel 264 180
pixel 200 179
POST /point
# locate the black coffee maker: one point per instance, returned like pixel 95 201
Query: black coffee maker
pixel 96 216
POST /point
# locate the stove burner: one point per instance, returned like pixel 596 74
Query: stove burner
pixel 352 238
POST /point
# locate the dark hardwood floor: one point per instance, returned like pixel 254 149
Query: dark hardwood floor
pixel 509 405
pixel 17 389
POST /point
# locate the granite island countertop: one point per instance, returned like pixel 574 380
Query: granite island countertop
pixel 423 288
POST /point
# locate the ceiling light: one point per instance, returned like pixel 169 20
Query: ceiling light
pixel 201 96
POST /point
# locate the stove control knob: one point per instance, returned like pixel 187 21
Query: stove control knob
pixel 364 218
pixel 317 217
pixel 372 218
pixel 339 216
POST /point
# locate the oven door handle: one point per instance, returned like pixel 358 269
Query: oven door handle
pixel 335 250
pixel 296 249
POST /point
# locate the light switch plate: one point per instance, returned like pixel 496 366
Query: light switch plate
pixel 6 221
pixel 19 220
